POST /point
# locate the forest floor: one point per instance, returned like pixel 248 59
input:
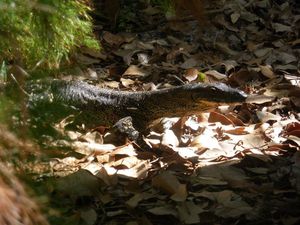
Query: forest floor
pixel 234 165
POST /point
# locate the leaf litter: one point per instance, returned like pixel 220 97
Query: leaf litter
pixel 235 165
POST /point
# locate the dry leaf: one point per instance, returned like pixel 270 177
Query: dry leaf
pixel 286 58
pixel 201 141
pixel 133 70
pixel 236 121
pixel 230 205
pixel 267 116
pixel 138 171
pixel 237 131
pixel 294 139
pixel 108 179
pixel 191 74
pixel 233 209
pixel 234 17
pixel 281 27
pixel 233 176
pixel 169 183
pixel 189 212
pixel 267 71
pixel 163 210
pixel 209 181
pixel 259 99
pixel 186 152
pixel 127 82
pixel 112 39
pixel 243 77
pixel 169 139
pixel 262 52
pixel 86 148
pixel 89 216
pixel 292 127
pixel 217 117
pixel 215 74
pixel 79 184
pixel 137 198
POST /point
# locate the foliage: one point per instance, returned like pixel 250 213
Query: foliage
pixel 43 31
pixel 166 5
pixel 3 72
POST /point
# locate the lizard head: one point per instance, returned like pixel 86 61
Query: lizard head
pixel 217 93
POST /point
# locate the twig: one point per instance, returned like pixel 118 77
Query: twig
pixel 22 89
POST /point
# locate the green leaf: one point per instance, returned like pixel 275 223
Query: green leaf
pixel 201 76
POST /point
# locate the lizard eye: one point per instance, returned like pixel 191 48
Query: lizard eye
pixel 214 88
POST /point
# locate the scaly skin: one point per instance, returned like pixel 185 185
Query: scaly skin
pixel 97 106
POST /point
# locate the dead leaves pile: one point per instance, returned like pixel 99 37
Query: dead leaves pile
pixel 235 165
pixel 225 172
